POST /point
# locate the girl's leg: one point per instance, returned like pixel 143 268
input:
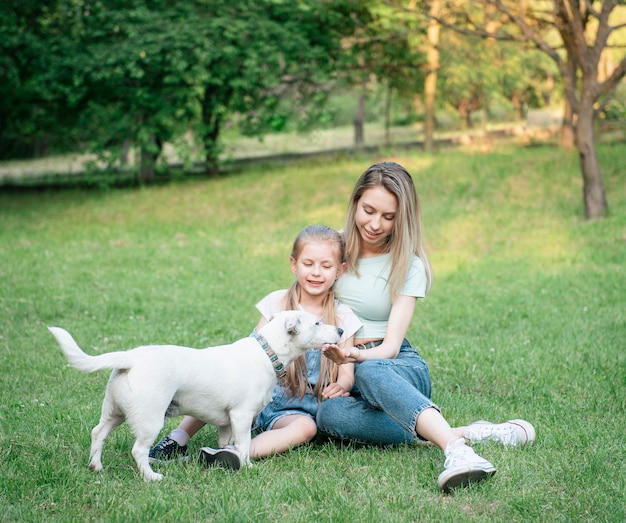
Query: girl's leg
pixel 186 429
pixel 174 446
pixel 287 432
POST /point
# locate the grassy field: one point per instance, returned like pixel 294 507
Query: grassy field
pixel 527 318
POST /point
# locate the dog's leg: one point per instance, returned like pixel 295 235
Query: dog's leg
pixel 241 423
pixel 108 422
pixel 146 429
pixel 224 436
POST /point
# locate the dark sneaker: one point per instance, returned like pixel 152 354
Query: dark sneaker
pixel 168 449
pixel 228 457
pixel 463 466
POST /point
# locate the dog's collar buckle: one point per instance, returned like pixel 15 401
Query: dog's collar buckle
pixel 279 368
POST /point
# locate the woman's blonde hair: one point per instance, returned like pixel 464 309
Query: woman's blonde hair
pixel 295 380
pixel 405 240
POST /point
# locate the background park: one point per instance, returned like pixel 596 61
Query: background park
pixel 157 159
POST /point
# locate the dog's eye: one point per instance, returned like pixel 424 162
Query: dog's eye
pixel 318 323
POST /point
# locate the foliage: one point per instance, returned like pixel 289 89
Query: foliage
pixel 586 33
pixel 146 71
pixel 39 90
pixel 475 74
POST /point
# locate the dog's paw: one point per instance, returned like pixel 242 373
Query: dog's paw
pixel 96 466
pixel 152 476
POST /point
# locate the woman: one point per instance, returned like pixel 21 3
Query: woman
pixel 387 270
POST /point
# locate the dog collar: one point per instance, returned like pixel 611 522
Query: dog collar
pixel 279 368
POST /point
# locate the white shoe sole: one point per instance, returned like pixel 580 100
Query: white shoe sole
pixel 225 458
pixel 458 478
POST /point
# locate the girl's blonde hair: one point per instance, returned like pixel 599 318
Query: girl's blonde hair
pixel 406 240
pixel 295 380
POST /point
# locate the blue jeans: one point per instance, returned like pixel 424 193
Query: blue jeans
pixel 388 397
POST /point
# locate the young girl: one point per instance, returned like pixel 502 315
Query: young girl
pixel 317 261
pixel 387 270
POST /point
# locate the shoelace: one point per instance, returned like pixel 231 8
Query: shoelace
pixel 503 433
pixel 459 454
pixel 165 444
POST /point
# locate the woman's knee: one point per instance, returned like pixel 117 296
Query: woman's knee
pixel 323 413
pixel 329 412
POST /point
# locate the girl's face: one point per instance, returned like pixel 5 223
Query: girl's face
pixel 375 218
pixel 317 267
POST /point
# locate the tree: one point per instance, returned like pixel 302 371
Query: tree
pixel 138 69
pixel 38 95
pixel 384 51
pixel 430 85
pixel 147 71
pixel 585 31
pixel 263 50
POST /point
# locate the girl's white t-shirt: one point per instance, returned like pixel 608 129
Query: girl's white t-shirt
pixel 347 320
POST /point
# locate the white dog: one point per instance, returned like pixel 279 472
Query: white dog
pixel 224 386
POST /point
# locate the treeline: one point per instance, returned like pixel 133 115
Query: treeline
pixel 113 76
pixel 107 76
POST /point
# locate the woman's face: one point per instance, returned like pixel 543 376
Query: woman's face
pixel 375 218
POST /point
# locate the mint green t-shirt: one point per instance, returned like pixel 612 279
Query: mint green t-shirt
pixel 368 294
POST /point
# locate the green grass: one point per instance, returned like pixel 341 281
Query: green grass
pixel 527 319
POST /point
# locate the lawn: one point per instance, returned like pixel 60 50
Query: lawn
pixel 527 318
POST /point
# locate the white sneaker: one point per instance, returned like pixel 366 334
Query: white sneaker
pixel 463 466
pixel 515 432
pixel 227 457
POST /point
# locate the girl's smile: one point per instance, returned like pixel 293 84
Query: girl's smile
pixel 317 268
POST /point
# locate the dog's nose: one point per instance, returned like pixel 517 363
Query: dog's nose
pixel 340 331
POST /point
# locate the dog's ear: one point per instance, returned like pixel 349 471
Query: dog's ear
pixel 292 325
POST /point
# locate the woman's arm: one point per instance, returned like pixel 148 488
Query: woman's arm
pixel 345 376
pixel 399 321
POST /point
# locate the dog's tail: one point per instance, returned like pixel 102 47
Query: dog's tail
pixel 84 362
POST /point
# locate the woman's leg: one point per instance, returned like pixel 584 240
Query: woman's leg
pixel 399 387
pixel 353 418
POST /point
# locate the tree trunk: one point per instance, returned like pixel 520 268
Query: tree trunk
pixel 358 121
pixel 430 84
pixel 150 153
pixel 146 167
pixel 125 151
pixel 568 136
pixel 388 95
pixel 594 195
pixel 214 103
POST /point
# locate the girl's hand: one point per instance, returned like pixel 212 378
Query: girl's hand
pixel 334 390
pixel 340 356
